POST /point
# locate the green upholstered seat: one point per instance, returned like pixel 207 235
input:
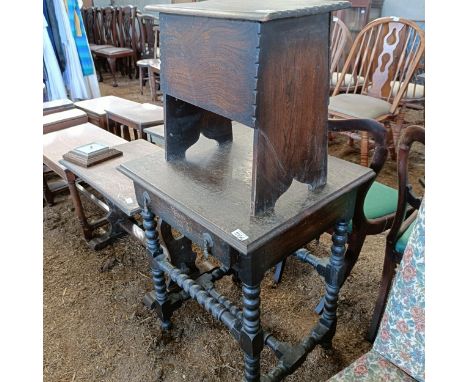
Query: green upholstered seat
pixel 380 200
pixel 403 240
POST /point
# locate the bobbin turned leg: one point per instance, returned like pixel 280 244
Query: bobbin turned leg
pixel 333 281
pixel 251 339
pixel 162 304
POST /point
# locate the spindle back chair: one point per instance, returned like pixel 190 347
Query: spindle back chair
pixel 385 54
pixel 340 43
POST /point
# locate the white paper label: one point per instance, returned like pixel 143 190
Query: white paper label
pixel 240 235
pixel 129 200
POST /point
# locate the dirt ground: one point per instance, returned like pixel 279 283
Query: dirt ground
pixel 96 327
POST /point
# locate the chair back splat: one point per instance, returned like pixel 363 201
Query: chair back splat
pixel 147 36
pixel 109 35
pixel 88 20
pixel 126 30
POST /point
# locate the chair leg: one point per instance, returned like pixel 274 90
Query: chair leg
pixel 113 68
pixel 386 283
pixel 364 148
pixel 140 71
pixel 151 84
pixel 98 66
pixel 279 269
pixel 396 130
pixel 390 141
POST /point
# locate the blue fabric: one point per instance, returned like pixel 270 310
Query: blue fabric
pixel 84 54
pixel 53 31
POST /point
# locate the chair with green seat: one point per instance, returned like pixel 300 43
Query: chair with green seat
pixel 375 213
pixel 402 225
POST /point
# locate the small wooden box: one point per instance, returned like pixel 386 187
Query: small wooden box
pixel 261 63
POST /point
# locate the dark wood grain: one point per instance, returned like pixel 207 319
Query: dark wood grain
pixel 270 74
pixel 259 10
pixel 218 68
pixel 185 122
pixel 293 86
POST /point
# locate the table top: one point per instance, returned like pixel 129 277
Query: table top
pixel 61 116
pixel 57 143
pixel 213 186
pixel 140 114
pixel 98 105
pixel 109 182
pixel 257 10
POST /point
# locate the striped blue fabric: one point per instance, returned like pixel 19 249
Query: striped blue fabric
pixel 86 61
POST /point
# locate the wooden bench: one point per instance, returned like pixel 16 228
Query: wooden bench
pixel 56 106
pixel 116 189
pixel 62 120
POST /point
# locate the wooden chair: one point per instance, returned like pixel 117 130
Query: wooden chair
pixel 98 28
pixel 402 224
pixel 374 214
pixel 149 37
pixel 398 352
pixel 88 15
pixel 127 32
pixel 121 37
pixel 340 43
pixel 386 54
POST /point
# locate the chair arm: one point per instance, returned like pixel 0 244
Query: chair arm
pixel 410 135
pixel 376 129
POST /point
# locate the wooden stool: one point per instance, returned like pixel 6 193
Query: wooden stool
pixel 117 190
pixel 57 143
pixel 266 67
pixel 143 66
pixel 133 118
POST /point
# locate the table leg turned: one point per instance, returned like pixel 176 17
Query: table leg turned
pixel 87 230
pixel 334 280
pixel 251 333
pixel 162 304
